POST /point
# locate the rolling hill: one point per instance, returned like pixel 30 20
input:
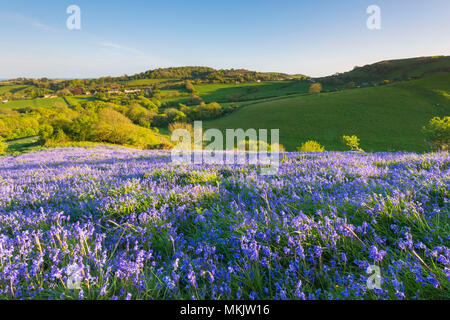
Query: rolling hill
pixel 391 70
pixel 386 104
pixel 386 118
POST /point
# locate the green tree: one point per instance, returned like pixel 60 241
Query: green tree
pixel 45 132
pixel 3 147
pixel 189 86
pixel 315 88
pixel 174 115
pixel 81 128
pixel 311 146
pixel 60 136
pixel 351 85
pixel 352 142
pixel 208 111
pixel 437 133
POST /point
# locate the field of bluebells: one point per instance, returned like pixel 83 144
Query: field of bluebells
pixel 130 224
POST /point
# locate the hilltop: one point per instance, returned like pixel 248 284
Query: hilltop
pixel 390 71
pixel 208 74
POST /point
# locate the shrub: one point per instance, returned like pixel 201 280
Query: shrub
pixel 437 133
pixel 259 146
pixel 46 132
pixel 160 120
pixel 351 85
pixel 113 127
pixel 352 142
pixel 81 128
pixel 252 145
pixel 60 136
pixel 174 115
pixel 181 125
pixel 3 147
pixel 150 104
pixel 136 112
pixel 196 99
pixel 311 146
pixel 208 111
pixel 280 147
pixel 315 88
pixel 189 86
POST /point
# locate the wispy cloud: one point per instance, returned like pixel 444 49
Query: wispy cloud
pixel 144 59
pixel 120 47
pixel 19 18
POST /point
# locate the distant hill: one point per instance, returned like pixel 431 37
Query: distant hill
pixel 385 118
pixel 389 71
pixel 206 73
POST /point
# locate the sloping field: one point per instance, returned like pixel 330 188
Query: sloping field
pixel 386 118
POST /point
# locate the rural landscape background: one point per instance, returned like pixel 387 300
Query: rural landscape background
pixel 93 207
pixel 385 104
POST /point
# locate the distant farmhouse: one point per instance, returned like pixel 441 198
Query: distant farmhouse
pixel 133 91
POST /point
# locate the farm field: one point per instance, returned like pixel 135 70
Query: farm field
pixel 80 99
pixel 23 145
pixel 12 88
pixel 251 91
pixel 17 104
pixel 385 118
pixel 226 93
pixel 131 224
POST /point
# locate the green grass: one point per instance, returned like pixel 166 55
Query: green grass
pixel 250 91
pixel 17 104
pixel 226 93
pixel 12 88
pixel 80 99
pixel 401 69
pixel 24 145
pixel 386 118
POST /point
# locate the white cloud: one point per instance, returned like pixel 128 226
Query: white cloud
pixel 19 18
pixel 120 47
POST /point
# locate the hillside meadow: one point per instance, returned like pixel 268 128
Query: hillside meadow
pixel 385 118
pixel 385 104
pixel 34 103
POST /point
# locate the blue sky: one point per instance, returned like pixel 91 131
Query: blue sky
pixel 316 38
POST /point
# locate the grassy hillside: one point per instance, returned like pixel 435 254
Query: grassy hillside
pixel 392 70
pixel 225 93
pixel 398 98
pixel 386 118
pixel 12 88
pixel 17 104
pixel 24 145
pixel 251 91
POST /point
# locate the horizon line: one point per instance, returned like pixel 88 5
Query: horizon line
pixel 217 69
